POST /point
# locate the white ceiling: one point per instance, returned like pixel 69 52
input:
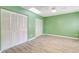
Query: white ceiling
pixel 46 10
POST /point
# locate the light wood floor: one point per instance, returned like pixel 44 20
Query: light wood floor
pixel 46 44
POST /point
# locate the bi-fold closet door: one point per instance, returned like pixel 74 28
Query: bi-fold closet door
pixel 38 27
pixel 13 29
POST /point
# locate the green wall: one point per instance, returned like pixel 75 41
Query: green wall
pixel 65 25
pixel 31 17
pixel 0 29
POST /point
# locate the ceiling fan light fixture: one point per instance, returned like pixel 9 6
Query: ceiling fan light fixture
pixel 54 9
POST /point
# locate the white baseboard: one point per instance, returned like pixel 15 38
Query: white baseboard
pixel 61 36
pixel 34 37
pixel 46 34
pixel 21 43
pixel 13 46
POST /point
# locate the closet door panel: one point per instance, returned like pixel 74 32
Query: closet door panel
pixel 22 28
pixel 5 29
pixel 13 29
pixel 39 27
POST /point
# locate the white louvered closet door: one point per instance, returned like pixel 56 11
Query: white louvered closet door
pixel 39 27
pixel 13 29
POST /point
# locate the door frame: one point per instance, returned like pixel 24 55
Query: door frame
pixel 16 13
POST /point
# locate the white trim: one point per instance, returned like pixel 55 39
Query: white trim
pixel 13 46
pixel 20 43
pixel 61 36
pixel 38 27
pixel 34 38
pixel 24 17
pixel 45 34
pixel 9 11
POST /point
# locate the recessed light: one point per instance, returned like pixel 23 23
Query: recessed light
pixel 34 10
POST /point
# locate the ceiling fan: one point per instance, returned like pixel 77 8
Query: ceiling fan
pixel 54 9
